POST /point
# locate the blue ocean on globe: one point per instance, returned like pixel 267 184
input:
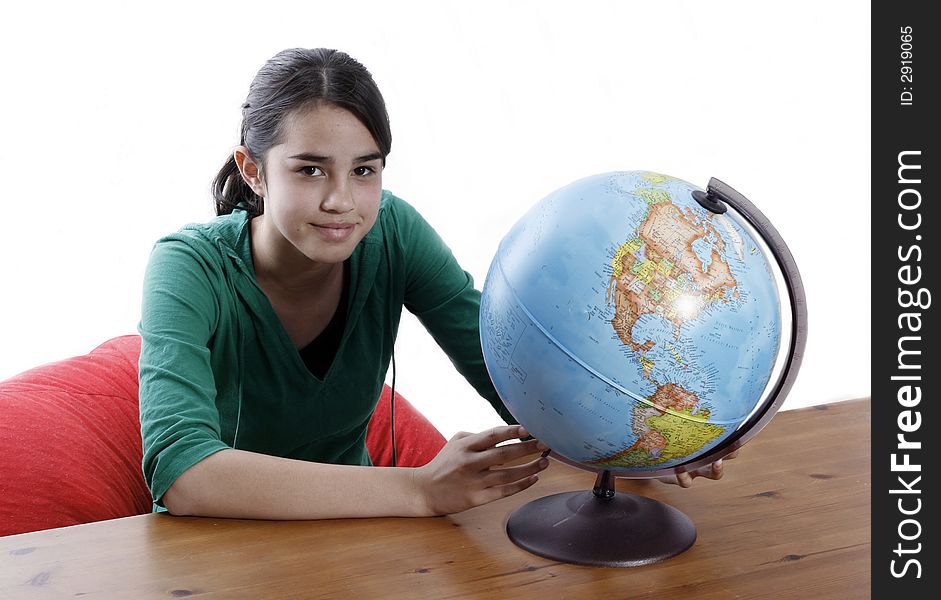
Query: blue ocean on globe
pixel 626 326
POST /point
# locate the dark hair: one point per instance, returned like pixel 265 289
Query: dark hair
pixel 291 80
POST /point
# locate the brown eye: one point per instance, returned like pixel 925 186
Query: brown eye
pixel 312 171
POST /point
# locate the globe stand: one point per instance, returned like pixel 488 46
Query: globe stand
pixel 601 529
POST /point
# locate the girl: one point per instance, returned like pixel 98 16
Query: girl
pixel 267 332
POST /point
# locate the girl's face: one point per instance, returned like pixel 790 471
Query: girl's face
pixel 321 185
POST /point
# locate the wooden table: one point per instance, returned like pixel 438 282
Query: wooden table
pixel 790 519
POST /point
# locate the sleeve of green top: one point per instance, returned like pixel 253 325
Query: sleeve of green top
pixel 179 419
pixel 442 295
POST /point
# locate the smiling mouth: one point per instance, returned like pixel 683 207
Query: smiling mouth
pixel 334 231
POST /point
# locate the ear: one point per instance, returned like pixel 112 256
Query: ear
pixel 250 170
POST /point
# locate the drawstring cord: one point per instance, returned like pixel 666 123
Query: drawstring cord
pixel 391 310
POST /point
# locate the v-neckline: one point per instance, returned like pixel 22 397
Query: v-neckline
pixel 320 353
pixel 363 264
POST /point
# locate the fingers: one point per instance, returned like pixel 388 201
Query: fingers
pixel 494 436
pixel 513 488
pixel 460 477
pixel 506 453
pixel 717 470
pixel 712 471
pixel 511 480
pixel 496 481
pixel 684 479
pixel 488 448
pixel 510 475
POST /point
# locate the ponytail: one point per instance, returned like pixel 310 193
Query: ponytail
pixel 230 191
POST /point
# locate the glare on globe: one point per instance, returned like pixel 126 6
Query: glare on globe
pixel 636 329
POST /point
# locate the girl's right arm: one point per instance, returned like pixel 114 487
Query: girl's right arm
pixel 469 471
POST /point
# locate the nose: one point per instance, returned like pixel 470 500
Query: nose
pixel 339 198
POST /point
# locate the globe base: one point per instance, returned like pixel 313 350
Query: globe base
pixel 585 528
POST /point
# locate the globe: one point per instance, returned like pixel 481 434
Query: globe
pixel 641 326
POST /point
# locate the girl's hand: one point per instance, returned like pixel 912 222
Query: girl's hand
pixel 469 470
pixel 710 471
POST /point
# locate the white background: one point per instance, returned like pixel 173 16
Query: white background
pixel 115 117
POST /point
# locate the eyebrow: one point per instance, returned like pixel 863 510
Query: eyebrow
pixel 310 157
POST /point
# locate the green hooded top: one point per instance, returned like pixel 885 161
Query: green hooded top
pixel 218 370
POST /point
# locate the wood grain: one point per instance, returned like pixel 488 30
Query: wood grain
pixel 790 519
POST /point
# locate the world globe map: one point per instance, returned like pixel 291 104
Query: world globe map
pixel 628 327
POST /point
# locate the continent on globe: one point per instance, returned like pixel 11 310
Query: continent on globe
pixel 659 271
pixel 673 425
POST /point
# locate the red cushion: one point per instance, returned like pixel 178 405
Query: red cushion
pixel 417 441
pixel 70 446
